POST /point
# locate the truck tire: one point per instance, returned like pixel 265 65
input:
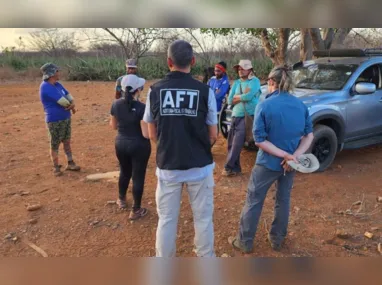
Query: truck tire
pixel 223 128
pixel 324 146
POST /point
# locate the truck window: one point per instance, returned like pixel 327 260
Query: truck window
pixel 371 75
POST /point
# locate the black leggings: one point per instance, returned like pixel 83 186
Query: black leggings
pixel 133 156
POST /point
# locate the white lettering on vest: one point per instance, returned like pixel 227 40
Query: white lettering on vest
pixel 192 95
pixel 179 98
pixel 168 100
pixel 179 102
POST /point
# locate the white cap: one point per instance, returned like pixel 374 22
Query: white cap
pixel 244 64
pixel 308 163
pixel 133 81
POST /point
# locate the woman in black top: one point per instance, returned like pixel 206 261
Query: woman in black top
pixel 132 147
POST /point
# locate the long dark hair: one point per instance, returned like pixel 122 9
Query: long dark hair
pixel 129 97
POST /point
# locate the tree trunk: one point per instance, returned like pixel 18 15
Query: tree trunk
pixel 269 50
pixel 318 43
pixel 328 37
pixel 277 55
pixel 340 37
pixel 331 37
pixel 282 43
pixel 306 46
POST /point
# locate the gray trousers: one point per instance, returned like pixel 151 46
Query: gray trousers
pixel 261 180
pixel 201 196
pixel 236 140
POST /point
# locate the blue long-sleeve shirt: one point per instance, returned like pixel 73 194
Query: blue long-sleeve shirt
pixel 220 88
pixel 282 119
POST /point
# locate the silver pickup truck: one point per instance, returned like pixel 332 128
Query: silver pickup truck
pixel 343 92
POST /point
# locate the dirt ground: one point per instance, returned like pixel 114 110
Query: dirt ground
pixel 75 219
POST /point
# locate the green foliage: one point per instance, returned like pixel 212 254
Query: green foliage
pixel 110 68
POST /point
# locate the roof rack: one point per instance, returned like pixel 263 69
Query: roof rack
pixel 348 52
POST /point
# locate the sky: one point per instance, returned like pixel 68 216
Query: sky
pixel 8 36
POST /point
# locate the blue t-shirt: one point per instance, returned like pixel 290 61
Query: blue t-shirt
pixel 282 119
pixel 222 85
pixel 49 95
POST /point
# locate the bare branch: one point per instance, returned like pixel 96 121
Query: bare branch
pixel 119 40
pixel 54 42
pixel 362 37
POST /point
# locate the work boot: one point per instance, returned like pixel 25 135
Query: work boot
pixel 72 166
pixel 275 245
pixel 229 173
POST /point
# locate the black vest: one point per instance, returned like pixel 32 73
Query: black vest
pixel 179 106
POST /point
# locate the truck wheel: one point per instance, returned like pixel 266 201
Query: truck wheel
pixel 250 146
pixel 224 121
pixel 324 146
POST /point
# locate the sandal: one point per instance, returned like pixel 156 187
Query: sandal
pixel 141 212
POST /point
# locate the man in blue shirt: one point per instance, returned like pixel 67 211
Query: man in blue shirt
pixel 219 84
pixel 57 103
pixel 282 131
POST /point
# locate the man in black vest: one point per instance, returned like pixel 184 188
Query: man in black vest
pixel 182 120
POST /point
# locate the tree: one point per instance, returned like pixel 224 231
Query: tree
pixel 274 41
pixel 306 47
pixel 329 37
pixel 134 42
pixel 54 42
pixel 203 44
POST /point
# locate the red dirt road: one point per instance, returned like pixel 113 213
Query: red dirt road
pixel 75 219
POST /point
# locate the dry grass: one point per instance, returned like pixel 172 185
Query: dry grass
pixel 31 74
pixel 7 73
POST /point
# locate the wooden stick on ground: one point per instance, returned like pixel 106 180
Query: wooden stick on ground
pixel 266 226
pixel 36 248
pixel 361 207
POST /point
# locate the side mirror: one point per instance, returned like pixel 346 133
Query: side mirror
pixel 364 88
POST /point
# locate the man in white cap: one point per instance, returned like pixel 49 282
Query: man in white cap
pixel 131 68
pixel 244 96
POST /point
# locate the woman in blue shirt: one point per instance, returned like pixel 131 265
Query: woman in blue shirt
pixel 58 105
